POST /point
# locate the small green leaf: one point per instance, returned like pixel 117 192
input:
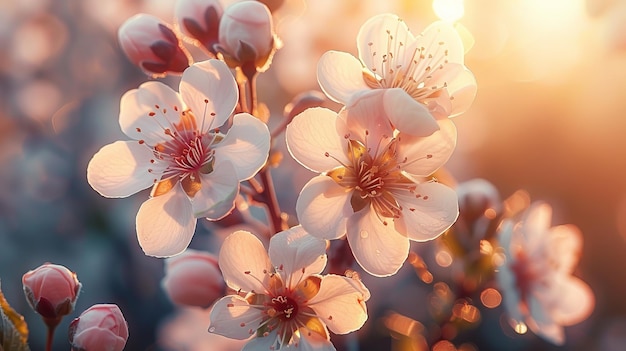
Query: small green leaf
pixel 13 328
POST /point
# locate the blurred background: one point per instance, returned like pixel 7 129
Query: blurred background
pixel 549 117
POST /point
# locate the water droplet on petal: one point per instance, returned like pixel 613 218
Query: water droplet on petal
pixel 377 252
pixel 364 234
pixel 212 330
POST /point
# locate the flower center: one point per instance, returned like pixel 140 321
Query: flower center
pixel 373 178
pixel 283 307
pixel 187 154
pixel 410 69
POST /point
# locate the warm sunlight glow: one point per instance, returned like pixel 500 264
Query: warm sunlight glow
pixel 449 10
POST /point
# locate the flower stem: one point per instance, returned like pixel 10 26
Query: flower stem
pixel 269 194
pixel 50 337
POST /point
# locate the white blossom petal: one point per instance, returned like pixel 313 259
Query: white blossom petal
pixel 424 155
pixel 216 197
pixel 443 41
pixel 265 343
pixel 408 115
pixel 426 217
pixel 121 169
pixel 574 301
pixel 366 117
pixel 340 304
pixel 305 341
pixel 246 145
pixel 146 112
pixel 378 37
pixel 314 134
pixel 564 245
pixel 378 248
pixel 297 255
pixel 323 208
pixel 208 88
pixel 244 262
pixel 340 75
pixel 232 317
pixel 165 224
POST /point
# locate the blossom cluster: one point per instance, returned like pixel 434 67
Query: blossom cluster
pixel 206 152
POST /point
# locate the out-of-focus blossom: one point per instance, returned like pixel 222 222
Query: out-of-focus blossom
pixel 373 183
pixel 193 278
pixel 199 20
pixel 194 169
pixel 101 327
pixel 246 35
pixel 51 290
pixel 430 67
pixel 480 208
pixel 536 279
pixel 152 45
pixel 288 303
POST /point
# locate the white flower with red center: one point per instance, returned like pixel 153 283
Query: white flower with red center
pixel 536 279
pixel 282 299
pixel 194 168
pixel 430 67
pixel 373 184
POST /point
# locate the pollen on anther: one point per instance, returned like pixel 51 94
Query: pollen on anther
pixel 326 154
pixel 157 107
pixel 206 101
pixel 138 130
pixel 230 305
pixel 152 161
pixel 141 142
pixel 330 318
pixel 212 113
pixel 242 324
pixel 429 156
pixel 175 108
pixel 426 197
pixel 246 272
pixel 151 114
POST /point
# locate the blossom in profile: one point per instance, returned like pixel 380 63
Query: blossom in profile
pixel 282 299
pixel 51 290
pixel 193 167
pixel 100 327
pixel 373 184
pixel 152 45
pixel 429 67
pixel 536 280
pixel 193 278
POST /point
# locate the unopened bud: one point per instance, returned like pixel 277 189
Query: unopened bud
pixel 199 20
pixel 51 290
pixel 100 327
pixel 152 45
pixel 193 278
pixel 246 35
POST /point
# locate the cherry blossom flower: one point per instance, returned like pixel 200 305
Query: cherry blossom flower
pixel 193 168
pixel 373 184
pixel 430 67
pixel 287 303
pixel 536 280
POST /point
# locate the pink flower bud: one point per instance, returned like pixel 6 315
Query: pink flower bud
pixel 101 327
pixel 199 20
pixel 193 278
pixel 152 45
pixel 51 290
pixel 246 35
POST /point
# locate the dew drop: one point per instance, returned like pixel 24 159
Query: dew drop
pixel 212 330
pixel 377 252
pixel 364 234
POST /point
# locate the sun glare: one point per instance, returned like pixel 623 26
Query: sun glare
pixel 449 10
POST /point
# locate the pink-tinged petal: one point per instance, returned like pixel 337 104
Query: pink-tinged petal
pixel 424 155
pixel 441 40
pixel 121 169
pixel 297 254
pixel 564 245
pixel 216 197
pixel 340 75
pixel 574 301
pixel 210 91
pixel 244 262
pixel 511 298
pixel 543 324
pixel 323 208
pixel 146 111
pixel 314 134
pixel 246 145
pixel 380 36
pixel 462 90
pixel 427 212
pixel 366 116
pixel 536 223
pixel 165 223
pixel 378 248
pixel 232 317
pixel 340 304
pixel 408 115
